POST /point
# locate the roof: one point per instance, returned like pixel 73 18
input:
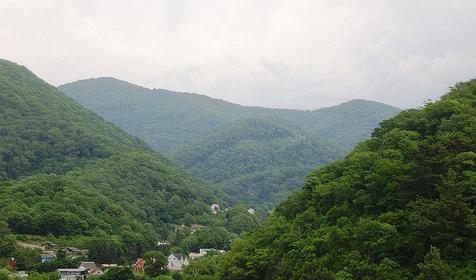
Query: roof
pixel 47 255
pixel 178 256
pixel 88 265
pixel 80 269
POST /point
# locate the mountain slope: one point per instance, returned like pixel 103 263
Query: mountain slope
pixel 376 214
pixel 169 120
pixel 67 172
pixel 247 156
pixel 216 140
pixel 43 130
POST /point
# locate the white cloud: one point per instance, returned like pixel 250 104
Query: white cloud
pixel 293 54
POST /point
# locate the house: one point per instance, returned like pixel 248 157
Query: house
pixel 21 274
pixel 106 266
pixel 50 245
pixel 215 208
pixel 92 268
pixel 139 265
pixel 179 227
pixel 251 211
pixel 163 244
pixel 202 252
pixel 193 255
pixel 47 257
pixel 195 227
pixel 176 262
pixel 75 252
pixel 73 273
pixel 13 264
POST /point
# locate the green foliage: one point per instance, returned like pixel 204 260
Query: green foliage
pixel 41 130
pixel 259 155
pixel 203 268
pixel 118 273
pixel 66 173
pixel 155 263
pixel 7 244
pixel 238 220
pixel 106 250
pixel 433 267
pixel 43 276
pixel 374 214
pixel 168 120
pixel 259 161
pixel 214 238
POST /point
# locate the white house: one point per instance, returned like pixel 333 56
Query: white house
pixel 73 273
pixel 215 208
pixel 176 262
pixel 202 252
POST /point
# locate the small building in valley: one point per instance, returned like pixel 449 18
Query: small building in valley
pixel 73 252
pixel 93 269
pixel 47 257
pixel 139 265
pixel 176 262
pixel 215 208
pixel 195 227
pixel 73 273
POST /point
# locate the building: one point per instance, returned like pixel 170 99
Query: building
pixel 195 227
pixel 215 208
pixel 194 255
pixel 51 246
pixel 21 274
pixel 251 211
pixel 176 262
pixel 12 264
pixel 75 252
pixel 106 266
pixel 47 257
pixel 73 273
pixel 139 265
pixel 91 267
pixel 163 244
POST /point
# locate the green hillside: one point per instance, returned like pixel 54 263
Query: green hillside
pixel 169 120
pixel 66 173
pixel 400 206
pixel 259 155
pixel 42 130
pixel 259 161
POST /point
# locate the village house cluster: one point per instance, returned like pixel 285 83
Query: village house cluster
pixel 176 262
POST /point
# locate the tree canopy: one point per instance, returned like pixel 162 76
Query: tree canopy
pixel 401 205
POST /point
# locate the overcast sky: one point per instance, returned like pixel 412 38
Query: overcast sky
pixel 287 54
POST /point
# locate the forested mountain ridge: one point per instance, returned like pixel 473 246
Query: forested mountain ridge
pixel 169 120
pixel 67 173
pixel 400 206
pixel 233 145
pixel 288 155
pixel 42 130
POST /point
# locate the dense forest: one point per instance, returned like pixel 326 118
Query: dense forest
pixel 229 157
pixel 168 120
pixel 400 206
pixel 68 176
pixel 258 155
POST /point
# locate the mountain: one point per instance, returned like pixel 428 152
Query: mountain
pixel 258 160
pixel 258 155
pixel 400 206
pixel 169 120
pixel 64 171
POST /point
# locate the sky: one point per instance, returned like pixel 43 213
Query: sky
pixel 280 54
